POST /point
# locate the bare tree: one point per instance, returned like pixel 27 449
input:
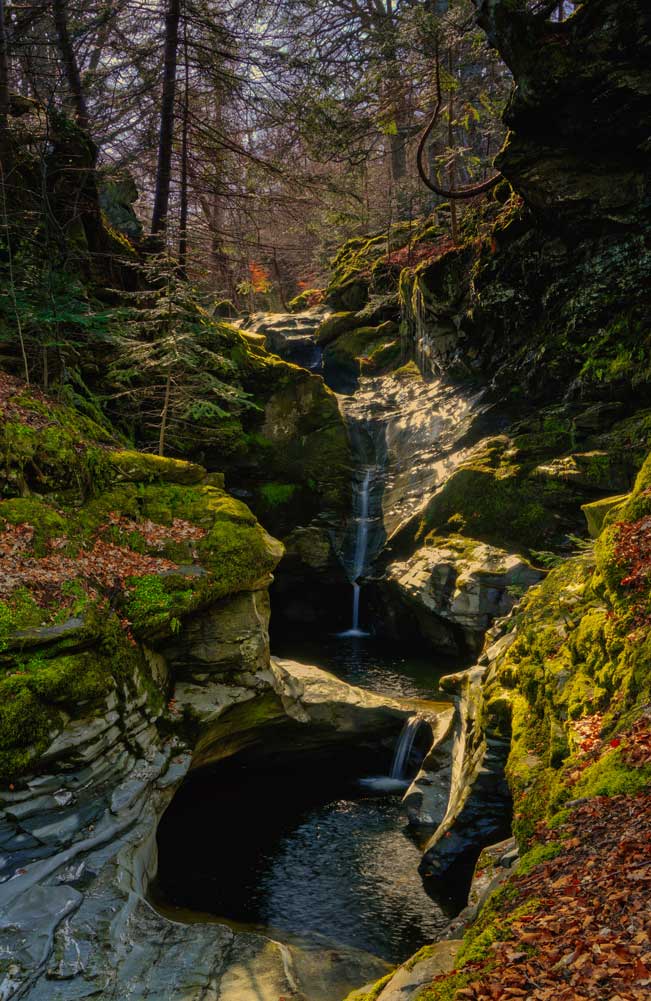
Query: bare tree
pixel 166 131
pixel 69 63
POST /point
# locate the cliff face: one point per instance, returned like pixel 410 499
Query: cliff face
pixel 552 298
pixel 579 113
pixel 549 304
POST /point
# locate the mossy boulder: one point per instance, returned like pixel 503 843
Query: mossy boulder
pixel 336 324
pixel 361 348
pixel 301 442
pixel 579 653
pixel 493 498
pixel 595 470
pixel 42 693
pixel 597 511
pixel 142 467
pixel 49 447
pixel 308 297
pixel 460 583
pixel 359 267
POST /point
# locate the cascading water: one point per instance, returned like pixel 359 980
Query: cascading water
pixel 398 779
pixel 404 747
pixel 362 520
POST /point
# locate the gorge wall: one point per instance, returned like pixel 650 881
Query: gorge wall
pixel 503 385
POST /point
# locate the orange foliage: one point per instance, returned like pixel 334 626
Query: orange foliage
pixel 260 277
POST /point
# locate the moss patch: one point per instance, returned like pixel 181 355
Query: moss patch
pixel 492 497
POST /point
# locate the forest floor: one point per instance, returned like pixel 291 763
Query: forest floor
pixel 584 930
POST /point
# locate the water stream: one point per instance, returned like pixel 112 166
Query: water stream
pixel 404 747
pixel 307 852
pixel 361 520
pixel 320 850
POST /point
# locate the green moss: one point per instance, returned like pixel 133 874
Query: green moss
pixel 141 467
pixel 408 371
pixel 382 358
pixel 53 449
pixel 538 855
pixel 277 494
pixel 44 519
pixel 19 611
pixel 491 498
pixel 335 325
pixel 493 924
pixel 612 776
pixel 373 993
pixel 575 654
pixel 360 265
pixel 25 727
pixel 86 520
pixel 238 554
pixel 596 512
pixel 304 299
pixel 150 604
pixel 349 352
pixel 38 694
pixel 445 989
pixel 305 442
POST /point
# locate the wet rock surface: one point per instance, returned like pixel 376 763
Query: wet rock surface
pixel 77 840
pixel 292 336
pixel 461 583
pixel 467 800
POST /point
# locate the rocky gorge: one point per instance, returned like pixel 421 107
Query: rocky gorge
pixel 447 457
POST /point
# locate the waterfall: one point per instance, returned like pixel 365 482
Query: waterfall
pixel 397 780
pixel 361 542
pixel 404 746
pixel 362 520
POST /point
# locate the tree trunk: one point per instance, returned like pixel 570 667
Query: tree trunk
pixel 166 132
pixel 165 414
pixel 70 66
pixel 183 218
pixel 4 78
pixel 392 95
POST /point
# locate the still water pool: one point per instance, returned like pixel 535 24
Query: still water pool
pixel 307 850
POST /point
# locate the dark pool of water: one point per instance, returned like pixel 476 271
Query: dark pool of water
pixel 305 850
pixel 305 855
pixel 376 664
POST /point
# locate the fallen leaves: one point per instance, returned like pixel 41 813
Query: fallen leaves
pixel 104 564
pixel 100 564
pixel 157 536
pixel 11 408
pixel 637 749
pixel 590 938
pixel 588 730
pixel 633 554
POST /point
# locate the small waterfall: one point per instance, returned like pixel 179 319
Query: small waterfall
pixel 404 746
pixel 362 520
pixel 397 780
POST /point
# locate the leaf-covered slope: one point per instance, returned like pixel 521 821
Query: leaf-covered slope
pixel 103 549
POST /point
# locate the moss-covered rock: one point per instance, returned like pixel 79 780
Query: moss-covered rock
pixel 47 447
pixel 363 348
pixel 360 267
pixel 336 324
pixel 493 497
pixel 142 467
pixel 305 299
pixel 41 693
pixel 597 511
